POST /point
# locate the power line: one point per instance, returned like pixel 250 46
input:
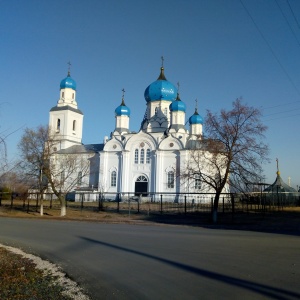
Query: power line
pixel 270 48
pixel 284 104
pixel 293 13
pixel 287 21
pixel 279 118
pixel 282 112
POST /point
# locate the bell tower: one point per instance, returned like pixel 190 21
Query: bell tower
pixel 66 120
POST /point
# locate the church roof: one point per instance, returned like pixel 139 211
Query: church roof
pixel 122 110
pixel 68 82
pixel 178 105
pixel 76 149
pixel 195 118
pixel 67 107
pixel 279 186
pixel 161 89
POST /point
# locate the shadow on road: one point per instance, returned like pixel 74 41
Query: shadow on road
pixel 262 289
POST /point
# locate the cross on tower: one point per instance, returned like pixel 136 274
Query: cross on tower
pixel 123 103
pixel 69 67
pixel 178 85
pixel 162 61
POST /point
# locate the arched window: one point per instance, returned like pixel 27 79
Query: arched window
pixel 136 156
pixel 148 156
pixel 113 178
pixel 165 111
pixel 74 125
pixel 142 179
pixel 142 159
pixel 79 178
pixel 197 182
pixel 58 124
pixel 63 94
pixel 62 178
pixel 170 179
pixel 72 95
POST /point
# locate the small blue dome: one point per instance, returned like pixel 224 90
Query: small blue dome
pixel 177 105
pixel 195 119
pixel 68 82
pixel 122 110
pixel 161 89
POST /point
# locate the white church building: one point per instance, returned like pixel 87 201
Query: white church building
pixel 143 162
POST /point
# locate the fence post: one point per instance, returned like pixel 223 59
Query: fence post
pixel 232 204
pixel 118 203
pixel 99 201
pixel 139 200
pixel 0 199
pixel 185 204
pixel 82 195
pixel 129 207
pixel 161 208
pixel 11 200
pixel 51 201
pixel 223 205
pixel 37 202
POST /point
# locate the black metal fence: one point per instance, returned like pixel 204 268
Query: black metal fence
pixel 154 203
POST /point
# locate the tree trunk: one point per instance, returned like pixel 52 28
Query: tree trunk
pixel 215 208
pixel 42 204
pixel 215 215
pixel 42 208
pixel 63 207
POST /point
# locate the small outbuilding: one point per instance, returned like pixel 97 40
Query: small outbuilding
pixel 281 192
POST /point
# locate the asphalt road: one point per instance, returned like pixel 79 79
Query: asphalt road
pixel 119 261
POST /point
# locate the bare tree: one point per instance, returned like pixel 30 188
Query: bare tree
pixel 232 153
pixel 43 161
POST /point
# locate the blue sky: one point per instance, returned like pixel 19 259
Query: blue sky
pixel 218 50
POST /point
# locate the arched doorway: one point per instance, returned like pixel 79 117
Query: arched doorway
pixel 141 186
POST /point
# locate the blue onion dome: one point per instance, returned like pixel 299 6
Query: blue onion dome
pixel 122 110
pixel 195 118
pixel 177 105
pixel 161 89
pixel 68 82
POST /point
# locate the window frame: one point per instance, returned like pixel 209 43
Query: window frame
pixel 113 179
pixel 142 156
pixel 170 179
pixel 136 156
pixel 197 182
pixel 148 155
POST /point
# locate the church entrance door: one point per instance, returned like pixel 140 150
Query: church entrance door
pixel 141 186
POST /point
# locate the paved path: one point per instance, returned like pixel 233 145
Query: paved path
pixel 119 261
